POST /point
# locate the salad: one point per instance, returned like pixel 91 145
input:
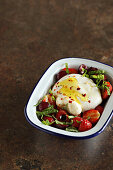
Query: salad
pixel 76 101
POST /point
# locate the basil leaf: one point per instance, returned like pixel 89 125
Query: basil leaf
pixel 67 70
pixel 50 92
pixel 100 76
pixel 63 123
pixel 96 72
pixel 98 82
pixel 53 98
pixel 88 117
pixel 78 121
pixel 87 75
pixel 49 108
pixel 59 122
pixel 85 71
pixel 42 117
pixel 108 90
pixel 47 111
pixel 71 117
pixel 104 86
pixel 46 122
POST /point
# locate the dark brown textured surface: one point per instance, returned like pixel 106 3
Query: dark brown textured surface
pixel 34 34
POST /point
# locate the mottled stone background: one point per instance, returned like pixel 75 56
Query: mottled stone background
pixel 34 34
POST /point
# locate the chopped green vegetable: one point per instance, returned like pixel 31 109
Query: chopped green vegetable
pixel 99 76
pixel 96 72
pixel 53 97
pixel 108 90
pixel 47 111
pixel 42 117
pixel 85 73
pixel 72 129
pixel 71 117
pixel 83 69
pixel 67 70
pixel 46 122
pixel 46 115
pixel 88 117
pixel 63 123
pixel 49 108
pixel 78 121
pixel 50 92
pixel 104 86
pixel 98 82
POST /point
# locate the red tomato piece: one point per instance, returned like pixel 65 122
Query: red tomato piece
pixel 48 118
pixel 105 92
pixel 42 106
pixel 71 70
pixel 85 125
pixel 92 115
pixel 77 121
pixel 61 74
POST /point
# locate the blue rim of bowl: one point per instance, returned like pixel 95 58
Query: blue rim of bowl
pixel 58 134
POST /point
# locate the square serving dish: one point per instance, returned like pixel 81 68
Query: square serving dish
pixel 45 83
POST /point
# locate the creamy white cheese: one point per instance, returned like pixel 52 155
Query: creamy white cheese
pixel 76 94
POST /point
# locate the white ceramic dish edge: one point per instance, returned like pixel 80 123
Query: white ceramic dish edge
pixel 42 88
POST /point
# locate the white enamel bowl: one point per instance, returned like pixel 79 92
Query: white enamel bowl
pixel 45 83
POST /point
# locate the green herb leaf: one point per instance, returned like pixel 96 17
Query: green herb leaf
pixel 63 123
pixel 104 86
pixel 50 92
pixel 46 122
pixel 47 111
pixel 71 129
pixel 53 97
pixel 42 117
pixel 59 122
pixel 83 69
pixel 54 117
pixel 100 76
pixel 98 82
pixel 88 117
pixel 49 108
pixel 67 70
pixel 85 73
pixel 71 117
pixel 96 72
pixel 48 115
pixel 78 121
pixel 108 90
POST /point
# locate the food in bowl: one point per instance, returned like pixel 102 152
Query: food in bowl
pixel 76 100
